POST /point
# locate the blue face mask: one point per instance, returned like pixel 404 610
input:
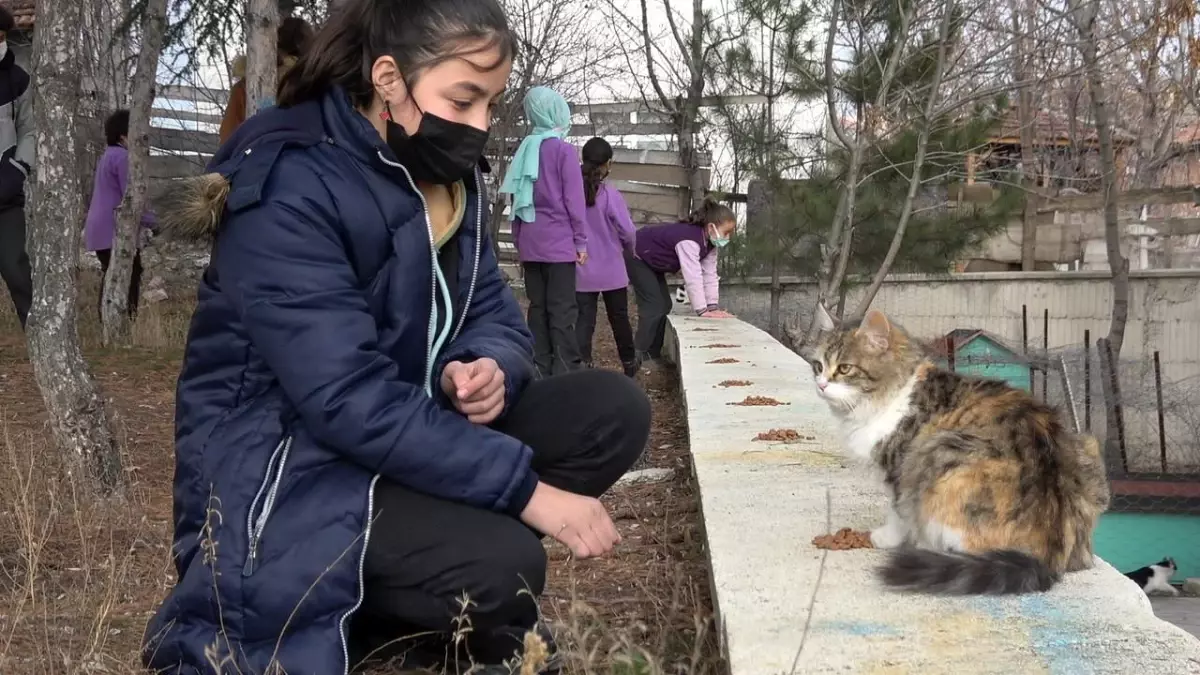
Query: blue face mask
pixel 716 238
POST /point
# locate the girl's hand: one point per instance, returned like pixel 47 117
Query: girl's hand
pixel 581 523
pixel 476 388
pixel 581 257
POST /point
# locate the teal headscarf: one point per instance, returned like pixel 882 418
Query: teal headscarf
pixel 550 116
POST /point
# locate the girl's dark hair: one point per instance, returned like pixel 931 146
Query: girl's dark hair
pixel 294 36
pixel 116 126
pixel 596 154
pixel 419 34
pixel 711 211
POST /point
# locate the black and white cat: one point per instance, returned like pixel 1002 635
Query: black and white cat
pixel 1156 577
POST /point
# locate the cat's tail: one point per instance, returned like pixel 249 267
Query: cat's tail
pixel 991 573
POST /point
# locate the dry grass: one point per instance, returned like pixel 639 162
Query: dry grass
pixel 79 575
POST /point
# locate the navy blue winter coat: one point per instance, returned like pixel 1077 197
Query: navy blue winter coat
pixel 309 374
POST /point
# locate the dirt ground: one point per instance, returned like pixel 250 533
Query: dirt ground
pixel 79 576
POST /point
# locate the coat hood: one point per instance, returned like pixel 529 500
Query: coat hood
pixel 191 208
pixel 237 67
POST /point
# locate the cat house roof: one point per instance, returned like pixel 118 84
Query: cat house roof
pixel 961 337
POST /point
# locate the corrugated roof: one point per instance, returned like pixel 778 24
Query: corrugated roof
pixel 1051 128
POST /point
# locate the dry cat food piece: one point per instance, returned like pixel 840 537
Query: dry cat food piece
pixel 735 383
pixel 718 345
pixel 786 435
pixel 724 360
pixel 843 540
pixel 759 400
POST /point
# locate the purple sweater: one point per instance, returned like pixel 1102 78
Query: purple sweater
pixel 610 232
pixel 557 235
pixel 683 248
pixel 108 189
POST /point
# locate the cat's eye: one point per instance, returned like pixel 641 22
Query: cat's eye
pixel 844 369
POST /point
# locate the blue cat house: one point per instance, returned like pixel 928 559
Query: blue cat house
pixel 979 353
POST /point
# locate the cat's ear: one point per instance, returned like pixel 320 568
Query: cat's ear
pixel 876 330
pixel 825 322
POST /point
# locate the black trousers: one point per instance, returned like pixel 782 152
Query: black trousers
pixel 653 304
pixel 14 261
pixel 586 429
pixel 135 280
pixel 550 288
pixel 616 305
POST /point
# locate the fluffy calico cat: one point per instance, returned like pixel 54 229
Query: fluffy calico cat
pixel 1156 578
pixel 991 492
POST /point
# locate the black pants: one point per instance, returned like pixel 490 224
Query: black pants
pixel 653 304
pixel 14 261
pixel 616 305
pixel 550 288
pixel 135 280
pixel 586 429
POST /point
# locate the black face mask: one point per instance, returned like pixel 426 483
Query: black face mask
pixel 441 152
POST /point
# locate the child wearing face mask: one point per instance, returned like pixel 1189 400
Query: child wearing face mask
pixel 689 248
pixel 359 431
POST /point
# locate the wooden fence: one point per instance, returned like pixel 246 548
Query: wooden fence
pixel 653 182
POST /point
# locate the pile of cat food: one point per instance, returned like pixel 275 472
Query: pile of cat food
pixel 759 400
pixel 704 330
pixel 843 540
pixel 718 345
pixel 734 383
pixel 784 435
pixel 724 360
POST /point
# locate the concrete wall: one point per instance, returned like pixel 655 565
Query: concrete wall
pixel 1164 315
pixel 785 606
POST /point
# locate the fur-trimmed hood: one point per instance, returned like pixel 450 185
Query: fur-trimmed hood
pixel 237 67
pixel 191 208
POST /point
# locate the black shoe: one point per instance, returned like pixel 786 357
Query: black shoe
pixel 631 368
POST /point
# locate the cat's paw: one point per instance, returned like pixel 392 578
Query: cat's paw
pixel 888 536
pixel 1171 590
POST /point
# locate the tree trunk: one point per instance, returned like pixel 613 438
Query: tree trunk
pixel 1084 13
pixel 114 308
pixel 1025 117
pixel 914 181
pixel 262 22
pixel 690 110
pixel 77 416
pixel 841 231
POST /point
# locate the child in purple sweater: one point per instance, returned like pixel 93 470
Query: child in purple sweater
pixel 546 185
pixel 689 248
pixel 108 190
pixel 610 233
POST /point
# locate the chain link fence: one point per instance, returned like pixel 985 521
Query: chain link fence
pixel 1147 421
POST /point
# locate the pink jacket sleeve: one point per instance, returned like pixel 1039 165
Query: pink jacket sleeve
pixel 712 282
pixel 690 267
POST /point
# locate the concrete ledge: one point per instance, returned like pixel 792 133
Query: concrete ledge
pixel 764 502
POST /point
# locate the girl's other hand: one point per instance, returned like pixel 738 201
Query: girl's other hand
pixel 581 257
pixel 581 523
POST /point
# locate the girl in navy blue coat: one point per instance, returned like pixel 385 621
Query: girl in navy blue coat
pixel 359 441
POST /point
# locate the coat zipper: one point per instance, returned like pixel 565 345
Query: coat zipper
pixel 478 252
pixel 362 558
pixel 270 486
